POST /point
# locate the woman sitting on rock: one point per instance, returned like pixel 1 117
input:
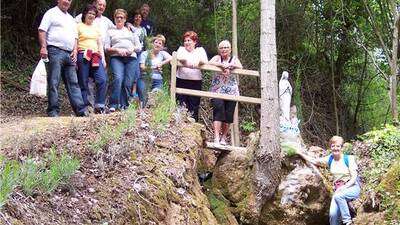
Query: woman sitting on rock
pixel 346 186
pixel 224 83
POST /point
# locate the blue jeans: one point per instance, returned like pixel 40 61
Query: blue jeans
pixel 60 66
pixel 156 84
pixel 85 70
pixel 123 69
pixel 339 208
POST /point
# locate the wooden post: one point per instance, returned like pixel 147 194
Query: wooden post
pixel 174 63
pixel 235 126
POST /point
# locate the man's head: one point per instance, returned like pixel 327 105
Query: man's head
pixel 100 5
pixel 145 10
pixel 64 5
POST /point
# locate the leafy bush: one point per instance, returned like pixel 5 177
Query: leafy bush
pixel 59 170
pixel 248 126
pixel 31 175
pixel 9 178
pixel 383 175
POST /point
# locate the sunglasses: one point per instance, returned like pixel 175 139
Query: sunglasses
pixel 224 47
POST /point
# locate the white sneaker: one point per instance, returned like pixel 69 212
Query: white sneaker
pixel 216 141
pixel 112 109
pixel 223 142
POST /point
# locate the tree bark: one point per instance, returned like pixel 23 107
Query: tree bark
pixel 235 126
pixel 393 64
pixel 267 157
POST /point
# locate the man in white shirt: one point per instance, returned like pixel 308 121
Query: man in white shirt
pixel 58 43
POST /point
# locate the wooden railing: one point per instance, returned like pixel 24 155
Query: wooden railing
pixel 174 90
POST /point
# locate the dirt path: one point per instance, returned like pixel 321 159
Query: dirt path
pixel 18 129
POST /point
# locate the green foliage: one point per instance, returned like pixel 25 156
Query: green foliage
pixel 29 176
pixel 9 177
pixel 60 168
pixel 32 176
pixel 219 207
pixel 385 155
pixel 289 150
pixel 163 109
pixel 109 133
pixel 248 126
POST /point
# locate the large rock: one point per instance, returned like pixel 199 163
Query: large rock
pixel 300 199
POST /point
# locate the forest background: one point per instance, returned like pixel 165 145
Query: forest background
pixel 334 51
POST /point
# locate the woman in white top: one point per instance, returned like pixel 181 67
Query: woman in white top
pixel 188 76
pixel 346 186
pixel 122 45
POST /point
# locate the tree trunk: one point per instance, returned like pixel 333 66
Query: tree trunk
pixel 235 126
pixel 267 157
pixel 393 64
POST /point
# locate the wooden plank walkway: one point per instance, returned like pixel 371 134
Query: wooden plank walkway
pixel 219 147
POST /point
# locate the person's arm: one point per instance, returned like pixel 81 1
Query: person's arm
pixel 216 61
pixel 167 58
pixel 318 162
pixel 203 56
pixel 236 64
pixel 101 50
pixel 43 44
pixel 137 46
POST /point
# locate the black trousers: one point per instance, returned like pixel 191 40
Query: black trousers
pixel 192 103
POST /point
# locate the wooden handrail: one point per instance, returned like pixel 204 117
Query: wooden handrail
pixel 217 69
pixel 218 95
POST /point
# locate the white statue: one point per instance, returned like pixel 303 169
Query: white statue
pixel 285 95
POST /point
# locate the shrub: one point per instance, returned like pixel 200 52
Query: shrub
pixel 31 175
pixel 9 177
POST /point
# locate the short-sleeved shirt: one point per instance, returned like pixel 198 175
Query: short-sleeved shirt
pixel 88 36
pixel 157 59
pixel 103 23
pixel 339 169
pixel 220 83
pixel 124 39
pixel 193 58
pixel 60 28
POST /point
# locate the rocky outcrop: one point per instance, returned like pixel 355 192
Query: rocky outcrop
pixel 300 199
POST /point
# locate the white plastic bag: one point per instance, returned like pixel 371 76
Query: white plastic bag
pixel 39 80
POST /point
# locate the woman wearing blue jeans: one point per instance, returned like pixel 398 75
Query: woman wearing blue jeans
pixel 91 59
pixel 122 45
pixel 346 186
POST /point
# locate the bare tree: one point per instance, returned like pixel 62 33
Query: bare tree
pixel 268 161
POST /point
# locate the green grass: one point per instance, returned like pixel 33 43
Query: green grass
pixel 9 179
pixel 109 133
pixel 33 176
pixel 163 109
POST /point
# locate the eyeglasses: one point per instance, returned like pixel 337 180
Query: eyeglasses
pixel 224 47
pixel 120 17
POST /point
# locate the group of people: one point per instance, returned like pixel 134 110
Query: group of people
pixel 76 49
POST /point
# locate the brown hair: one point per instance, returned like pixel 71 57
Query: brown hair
pixel 192 35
